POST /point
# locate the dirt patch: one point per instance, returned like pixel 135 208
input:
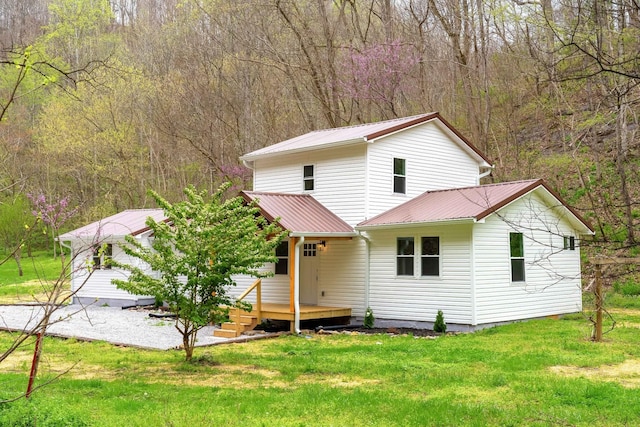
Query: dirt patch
pixel 626 311
pixel 626 373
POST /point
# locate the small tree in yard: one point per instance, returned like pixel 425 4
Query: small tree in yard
pixel 195 253
pixel 439 325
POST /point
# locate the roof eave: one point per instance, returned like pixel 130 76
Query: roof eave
pixel 251 157
pixel 448 221
pixel 323 234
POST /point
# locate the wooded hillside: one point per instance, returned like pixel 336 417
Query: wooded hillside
pixel 101 100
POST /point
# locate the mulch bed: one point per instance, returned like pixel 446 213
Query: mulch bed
pixel 387 331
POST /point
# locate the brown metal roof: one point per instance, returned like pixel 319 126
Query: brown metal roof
pixel 470 203
pixel 129 222
pixel 299 213
pixel 354 134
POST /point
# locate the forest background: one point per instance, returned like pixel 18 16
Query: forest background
pixel 101 100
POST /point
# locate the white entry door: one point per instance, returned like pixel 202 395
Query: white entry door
pixel 309 274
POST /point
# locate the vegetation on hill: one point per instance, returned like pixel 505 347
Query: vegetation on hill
pixel 102 100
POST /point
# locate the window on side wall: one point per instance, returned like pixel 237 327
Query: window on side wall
pixel 570 243
pixel 404 258
pixel 516 243
pixel 308 178
pixel 430 256
pixel 399 176
pixel 102 256
pixel 282 253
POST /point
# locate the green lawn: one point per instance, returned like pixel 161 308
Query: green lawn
pixel 536 373
pixel 39 270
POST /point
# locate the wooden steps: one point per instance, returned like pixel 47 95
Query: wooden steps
pixel 236 326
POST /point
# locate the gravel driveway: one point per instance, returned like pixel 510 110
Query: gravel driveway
pixel 115 325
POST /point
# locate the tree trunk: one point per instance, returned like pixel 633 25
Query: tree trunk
pixel 17 255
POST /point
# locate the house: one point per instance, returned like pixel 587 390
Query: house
pixel 91 248
pixel 392 216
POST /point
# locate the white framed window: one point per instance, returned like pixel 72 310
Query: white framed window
pixel 308 178
pixel 570 243
pixel 404 256
pixel 282 253
pixel 516 245
pixel 430 258
pixel 102 256
pixel 399 176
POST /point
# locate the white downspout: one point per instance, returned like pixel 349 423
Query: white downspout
pixel 296 286
pixel 367 270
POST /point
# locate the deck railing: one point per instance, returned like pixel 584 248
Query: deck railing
pixel 257 309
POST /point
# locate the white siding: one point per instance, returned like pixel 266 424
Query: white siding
pixel 433 162
pixel 552 275
pixel 339 178
pixel 341 275
pixel 275 289
pixel 419 298
pixel 97 284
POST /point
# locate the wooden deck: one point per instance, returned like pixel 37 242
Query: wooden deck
pixel 307 312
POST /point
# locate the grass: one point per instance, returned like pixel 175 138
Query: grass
pixel 536 373
pixel 38 271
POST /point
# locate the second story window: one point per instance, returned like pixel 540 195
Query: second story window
pixel 307 177
pixel 399 176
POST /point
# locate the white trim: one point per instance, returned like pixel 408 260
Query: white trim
pixel 472 275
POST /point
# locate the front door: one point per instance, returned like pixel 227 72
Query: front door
pixel 309 274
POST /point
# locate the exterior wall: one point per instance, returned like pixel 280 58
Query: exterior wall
pixel 552 275
pixel 95 287
pixel 341 273
pixel 433 162
pixel 275 289
pixel 417 298
pixel 339 178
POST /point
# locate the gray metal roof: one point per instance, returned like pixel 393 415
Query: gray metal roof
pixel 356 134
pixel 470 203
pixel 129 222
pixel 299 213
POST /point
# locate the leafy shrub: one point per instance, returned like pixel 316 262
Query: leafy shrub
pixel 28 413
pixel 369 319
pixel 439 325
pixel 630 287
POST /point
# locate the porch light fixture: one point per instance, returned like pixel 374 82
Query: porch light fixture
pixel 323 243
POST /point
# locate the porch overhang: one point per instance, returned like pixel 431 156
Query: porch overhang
pixel 305 219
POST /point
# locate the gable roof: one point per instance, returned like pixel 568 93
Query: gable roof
pixel 130 222
pixel 362 134
pixel 469 203
pixel 300 214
